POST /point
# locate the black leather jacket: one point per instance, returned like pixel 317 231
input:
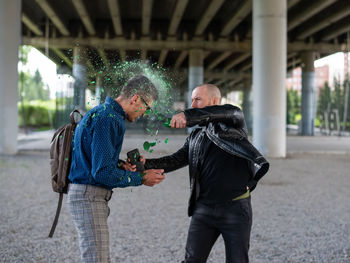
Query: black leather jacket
pixel 225 126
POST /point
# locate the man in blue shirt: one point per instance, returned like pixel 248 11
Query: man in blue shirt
pixel 96 168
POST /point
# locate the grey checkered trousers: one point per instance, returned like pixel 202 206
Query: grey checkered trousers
pixel 88 206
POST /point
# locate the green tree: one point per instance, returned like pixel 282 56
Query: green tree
pixel 32 87
pixel 325 99
pixel 297 102
pixel 293 106
pixel 36 88
pixel 347 100
pixel 23 59
pixel 338 98
pixel 23 54
pixel 290 107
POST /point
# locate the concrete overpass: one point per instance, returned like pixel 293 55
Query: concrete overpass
pixel 231 43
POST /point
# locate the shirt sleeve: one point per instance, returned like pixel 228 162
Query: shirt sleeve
pixel 105 149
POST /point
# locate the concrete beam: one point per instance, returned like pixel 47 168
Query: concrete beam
pixel 174 23
pixel 180 59
pixel 177 15
pixel 235 81
pixel 122 53
pixel 162 56
pixel 138 44
pixel 207 80
pixel 241 13
pixel 246 67
pixel 224 75
pixel 52 15
pixel 237 60
pixel 308 12
pixel 208 15
pixel 213 75
pixel 146 16
pixel 205 54
pixel 290 55
pixel 116 18
pixel 322 47
pixel 143 54
pixel 340 30
pixel 326 21
pixel 103 56
pixel 292 3
pixel 62 56
pixel 149 44
pixel 31 25
pixel 293 63
pixel 84 16
pixel 218 83
pixel 219 59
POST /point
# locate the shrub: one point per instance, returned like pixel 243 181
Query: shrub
pixel 34 114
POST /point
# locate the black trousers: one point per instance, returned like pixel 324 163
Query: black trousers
pixel 233 221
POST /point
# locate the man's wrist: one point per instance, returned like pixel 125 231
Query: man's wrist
pixel 142 175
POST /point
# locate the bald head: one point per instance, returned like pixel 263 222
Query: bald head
pixel 205 95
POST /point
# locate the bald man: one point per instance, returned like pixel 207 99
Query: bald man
pixel 224 168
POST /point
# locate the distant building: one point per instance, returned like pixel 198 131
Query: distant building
pixel 322 76
pixel 293 81
pixel 326 69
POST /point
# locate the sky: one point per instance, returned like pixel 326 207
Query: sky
pixel 336 66
pixel 47 69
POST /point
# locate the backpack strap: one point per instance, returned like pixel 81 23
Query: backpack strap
pixel 71 115
pixel 59 205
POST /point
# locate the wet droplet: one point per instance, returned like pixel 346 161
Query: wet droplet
pixel 167 123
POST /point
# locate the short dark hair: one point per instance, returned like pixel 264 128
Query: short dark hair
pixel 140 85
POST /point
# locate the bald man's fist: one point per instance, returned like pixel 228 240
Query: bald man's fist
pixel 178 121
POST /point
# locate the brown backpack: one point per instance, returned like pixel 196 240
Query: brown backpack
pixel 60 161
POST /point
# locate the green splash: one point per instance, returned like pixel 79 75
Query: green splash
pixel 116 74
pixel 167 123
pixel 147 145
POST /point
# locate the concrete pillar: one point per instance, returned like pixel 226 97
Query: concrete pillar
pixel 269 74
pixel 195 73
pixel 79 74
pixel 10 39
pixel 247 104
pixel 308 93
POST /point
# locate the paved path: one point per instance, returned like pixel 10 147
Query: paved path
pixel 301 208
pixel 295 144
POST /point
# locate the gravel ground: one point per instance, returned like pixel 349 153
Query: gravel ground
pixel 301 213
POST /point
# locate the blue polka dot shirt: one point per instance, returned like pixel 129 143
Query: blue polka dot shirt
pixel 97 143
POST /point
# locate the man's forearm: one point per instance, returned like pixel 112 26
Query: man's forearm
pixel 168 163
